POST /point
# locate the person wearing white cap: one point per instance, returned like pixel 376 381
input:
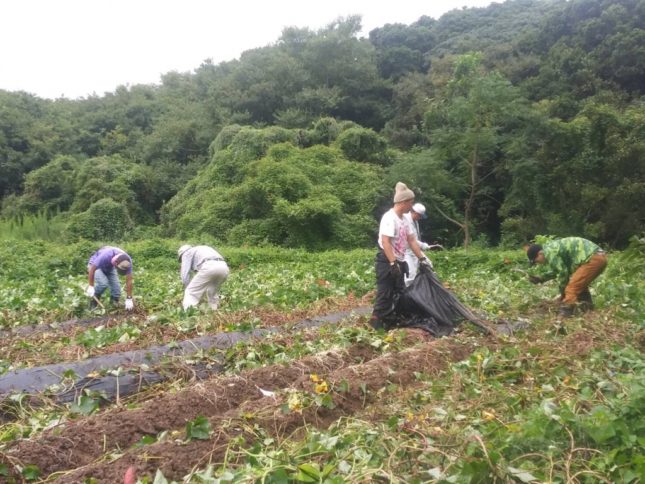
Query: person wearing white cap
pixel 104 268
pixel 394 237
pixel 415 214
pixel 210 270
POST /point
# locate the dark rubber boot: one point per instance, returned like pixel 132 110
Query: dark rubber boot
pixel 93 303
pixel 114 301
pixel 586 302
pixel 566 310
pixel 376 323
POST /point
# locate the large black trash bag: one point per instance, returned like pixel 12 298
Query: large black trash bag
pixel 426 304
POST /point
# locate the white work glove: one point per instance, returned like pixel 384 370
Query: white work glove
pixel 129 304
pixel 89 292
pixel 425 262
pixel 424 246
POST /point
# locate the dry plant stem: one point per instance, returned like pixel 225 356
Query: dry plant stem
pixel 592 473
pixel 483 446
pixel 567 465
pixel 98 302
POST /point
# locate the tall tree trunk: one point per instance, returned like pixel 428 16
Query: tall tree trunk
pixel 468 208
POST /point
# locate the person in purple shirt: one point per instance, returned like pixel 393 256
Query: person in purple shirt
pixel 104 268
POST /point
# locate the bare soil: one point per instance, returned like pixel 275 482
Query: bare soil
pixel 79 442
pixel 76 450
pixel 104 446
pixel 30 345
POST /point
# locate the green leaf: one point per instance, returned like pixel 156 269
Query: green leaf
pixel 308 473
pixel 69 373
pixel 160 478
pixel 279 476
pixel 200 429
pixel 86 405
pixel 601 424
pixel 30 472
pixel 146 440
pixel 343 387
pixel 521 474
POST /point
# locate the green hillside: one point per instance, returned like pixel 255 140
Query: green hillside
pixel 522 118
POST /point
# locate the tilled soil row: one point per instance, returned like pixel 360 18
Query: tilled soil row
pixel 38 379
pixel 13 349
pixel 78 443
pixel 366 380
pixel 176 459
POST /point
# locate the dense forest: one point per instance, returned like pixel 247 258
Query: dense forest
pixel 518 119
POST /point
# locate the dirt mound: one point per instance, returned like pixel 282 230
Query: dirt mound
pixel 231 411
pixel 38 379
pixel 78 443
pixel 41 336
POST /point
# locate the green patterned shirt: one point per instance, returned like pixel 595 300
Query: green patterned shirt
pixel 564 256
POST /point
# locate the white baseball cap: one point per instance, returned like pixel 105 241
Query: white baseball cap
pixel 420 209
pixel 183 249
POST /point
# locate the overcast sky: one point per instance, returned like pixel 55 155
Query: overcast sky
pixel 76 48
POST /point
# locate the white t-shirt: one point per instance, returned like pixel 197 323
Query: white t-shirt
pixel 397 229
pixel 414 230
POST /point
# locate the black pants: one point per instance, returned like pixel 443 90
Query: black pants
pixel 388 287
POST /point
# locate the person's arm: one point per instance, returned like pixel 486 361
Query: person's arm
pixel 90 275
pixel 388 249
pixel 184 271
pixel 128 285
pixel 414 245
pixel 417 234
pixel 547 276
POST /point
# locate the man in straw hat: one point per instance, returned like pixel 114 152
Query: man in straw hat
pixel 394 237
pixel 104 268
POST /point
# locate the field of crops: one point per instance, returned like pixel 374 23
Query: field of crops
pixel 288 383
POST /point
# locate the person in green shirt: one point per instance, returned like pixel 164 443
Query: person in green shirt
pixel 575 263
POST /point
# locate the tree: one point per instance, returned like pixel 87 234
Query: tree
pixel 105 219
pixel 470 129
pixel 401 49
pixel 362 144
pixel 50 187
pixel 304 197
pixel 122 181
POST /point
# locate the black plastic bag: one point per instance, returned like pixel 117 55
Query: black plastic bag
pixel 426 304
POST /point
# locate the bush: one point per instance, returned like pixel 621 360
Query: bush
pixel 517 231
pixel 252 144
pixel 362 144
pixel 50 187
pixel 104 220
pixel 291 196
pixel 224 138
pixel 325 131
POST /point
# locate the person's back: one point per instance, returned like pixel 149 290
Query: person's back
pixel 575 262
pixel 564 256
pixel 211 271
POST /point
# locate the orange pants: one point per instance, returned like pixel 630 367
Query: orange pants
pixel 583 276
